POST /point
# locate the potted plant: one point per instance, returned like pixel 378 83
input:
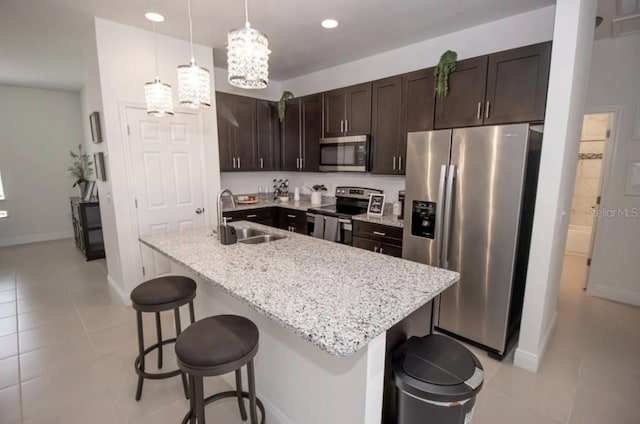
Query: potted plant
pixel 316 193
pixel 80 169
pixel 282 103
pixel 441 72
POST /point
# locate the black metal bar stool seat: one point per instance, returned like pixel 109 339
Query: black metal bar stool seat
pixel 159 295
pixel 215 346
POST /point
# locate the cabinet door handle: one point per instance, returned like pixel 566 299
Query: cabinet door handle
pixel 292 216
pixel 400 163
pixel 479 110
pixel 238 163
pixel 234 162
pixel 381 250
pixel 375 249
pixel 301 163
pixel 341 125
pixel 199 211
pixel 229 218
pixel 261 163
pixel 394 163
pixel 297 163
pixel 252 216
pixel 377 233
pixel 486 110
pixel 346 125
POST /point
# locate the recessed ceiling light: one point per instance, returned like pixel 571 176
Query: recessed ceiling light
pixel 154 17
pixel 329 23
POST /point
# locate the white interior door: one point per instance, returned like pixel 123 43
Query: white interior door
pixel 167 178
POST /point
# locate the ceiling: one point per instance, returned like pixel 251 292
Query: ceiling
pixel 40 40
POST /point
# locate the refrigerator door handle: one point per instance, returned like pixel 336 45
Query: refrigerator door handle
pixel 448 210
pixel 440 214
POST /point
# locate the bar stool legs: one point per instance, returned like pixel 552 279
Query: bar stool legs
pixel 142 352
pixel 243 410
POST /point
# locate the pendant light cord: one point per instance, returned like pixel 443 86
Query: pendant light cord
pixel 190 30
pixel 246 14
pixel 155 47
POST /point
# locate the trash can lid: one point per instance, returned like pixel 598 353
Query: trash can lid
pixel 437 367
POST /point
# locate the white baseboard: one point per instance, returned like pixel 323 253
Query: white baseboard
pixel 531 361
pixel 125 298
pixel 611 293
pixel 35 238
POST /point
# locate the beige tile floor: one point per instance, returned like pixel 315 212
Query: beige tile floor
pixel 67 347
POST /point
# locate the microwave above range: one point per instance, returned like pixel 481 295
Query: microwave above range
pixel 344 154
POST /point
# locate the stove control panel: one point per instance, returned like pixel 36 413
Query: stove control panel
pixel 356 192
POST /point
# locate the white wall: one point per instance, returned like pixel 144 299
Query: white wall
pixel 570 59
pixel 614 82
pixel 126 61
pixel 515 31
pixel 38 128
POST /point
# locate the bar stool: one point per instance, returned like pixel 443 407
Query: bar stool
pixel 215 346
pixel 158 295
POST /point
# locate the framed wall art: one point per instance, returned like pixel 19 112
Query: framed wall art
pixel 98 160
pixel 96 131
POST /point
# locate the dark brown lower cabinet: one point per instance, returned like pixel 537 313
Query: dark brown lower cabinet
pixel 87 228
pixel 378 238
pixel 292 220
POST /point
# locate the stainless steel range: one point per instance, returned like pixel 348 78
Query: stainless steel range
pixel 350 201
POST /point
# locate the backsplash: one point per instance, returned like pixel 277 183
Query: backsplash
pixel 248 182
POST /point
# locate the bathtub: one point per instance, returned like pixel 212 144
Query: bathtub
pixel 578 239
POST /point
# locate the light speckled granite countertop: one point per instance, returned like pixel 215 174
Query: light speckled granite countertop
pixel 385 219
pixel 337 297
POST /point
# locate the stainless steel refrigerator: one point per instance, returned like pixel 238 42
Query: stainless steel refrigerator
pixel 469 203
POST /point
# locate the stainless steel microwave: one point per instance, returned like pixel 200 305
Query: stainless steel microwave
pixel 349 154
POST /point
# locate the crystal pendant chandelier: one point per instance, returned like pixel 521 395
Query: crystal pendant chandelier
pixel 157 95
pixel 248 56
pixel 194 84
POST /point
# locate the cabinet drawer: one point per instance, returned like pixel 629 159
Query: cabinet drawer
pixel 253 215
pixel 390 249
pixel 383 233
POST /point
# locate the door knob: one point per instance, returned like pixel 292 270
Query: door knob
pixel 199 211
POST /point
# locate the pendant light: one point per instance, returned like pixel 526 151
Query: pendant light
pixel 248 56
pixel 194 84
pixel 157 95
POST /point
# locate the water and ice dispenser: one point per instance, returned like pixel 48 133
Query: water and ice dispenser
pixel 423 219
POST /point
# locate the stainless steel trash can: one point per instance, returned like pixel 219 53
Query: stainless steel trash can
pixel 437 380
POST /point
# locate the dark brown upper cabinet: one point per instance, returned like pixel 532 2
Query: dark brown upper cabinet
pixel 347 111
pixel 236 132
pixel 302 130
pixel 311 108
pixel 268 135
pixel 400 105
pixel 501 88
pixel 290 141
pixel 462 107
pixel 517 85
pixel 386 125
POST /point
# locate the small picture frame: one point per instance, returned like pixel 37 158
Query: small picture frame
pixel 89 191
pixel 376 205
pixel 96 132
pixel 98 160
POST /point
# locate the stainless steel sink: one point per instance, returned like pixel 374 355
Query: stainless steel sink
pixel 244 233
pixel 264 238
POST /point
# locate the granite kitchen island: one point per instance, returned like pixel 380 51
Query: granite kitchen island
pixel 322 308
